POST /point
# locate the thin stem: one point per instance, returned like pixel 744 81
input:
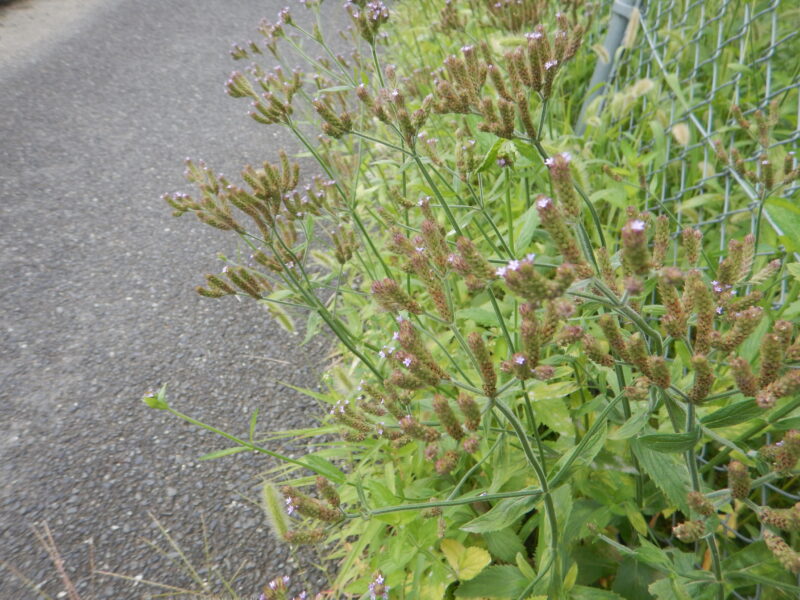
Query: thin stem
pixel 456 502
pixel 550 508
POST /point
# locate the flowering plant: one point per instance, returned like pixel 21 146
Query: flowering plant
pixel 581 401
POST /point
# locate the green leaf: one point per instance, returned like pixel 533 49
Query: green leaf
pixel 494 582
pixel 789 423
pixel 336 88
pixel 650 554
pixel 324 467
pixel 786 214
pixel 558 390
pixel 466 562
pixel 582 592
pixel 668 589
pixel 253 423
pixel 490 157
pixel 554 413
pixel 157 399
pixel 223 452
pixel 504 544
pixel 524 566
pixel 633 578
pixel 671 442
pixel 667 471
pixel 480 316
pixel 733 414
pixel 794 270
pixel 502 514
pixel 312 326
pixel 527 150
pixel 529 224
pixel 633 425
pixel 583 453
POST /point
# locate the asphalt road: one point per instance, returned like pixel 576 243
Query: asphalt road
pixel 99 104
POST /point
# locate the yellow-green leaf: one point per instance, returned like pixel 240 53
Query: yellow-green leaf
pixel 466 562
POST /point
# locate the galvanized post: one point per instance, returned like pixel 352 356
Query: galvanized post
pixel 621 12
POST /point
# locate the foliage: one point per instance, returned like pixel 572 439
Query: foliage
pixel 545 387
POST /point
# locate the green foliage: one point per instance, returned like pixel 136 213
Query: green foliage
pixel 540 365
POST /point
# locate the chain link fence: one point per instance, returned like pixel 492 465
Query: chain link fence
pixel 683 65
pixel 703 57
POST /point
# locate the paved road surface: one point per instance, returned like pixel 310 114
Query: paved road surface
pixel 100 100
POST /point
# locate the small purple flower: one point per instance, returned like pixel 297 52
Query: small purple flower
pixel 396 335
pixel 638 225
pixel 520 360
pixel 407 361
pixel 501 272
pixel 513 265
pixel 530 257
pixel 549 161
pixel 550 64
pixel 544 202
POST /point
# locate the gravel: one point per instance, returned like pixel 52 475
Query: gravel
pixel 98 305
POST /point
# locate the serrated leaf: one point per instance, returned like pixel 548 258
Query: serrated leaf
pixel 504 544
pixel 671 442
pixel 733 414
pixel 667 471
pixel 466 562
pixel 554 413
pixel 502 514
pixel 223 452
pixel 496 582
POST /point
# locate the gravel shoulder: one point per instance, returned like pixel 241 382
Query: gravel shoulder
pixel 101 101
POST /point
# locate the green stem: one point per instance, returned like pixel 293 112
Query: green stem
pixel 456 502
pixel 550 508
pixel 241 442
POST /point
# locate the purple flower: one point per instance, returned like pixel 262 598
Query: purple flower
pixel 638 225
pixel 544 202
pixel 550 64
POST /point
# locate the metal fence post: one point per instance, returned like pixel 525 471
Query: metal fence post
pixel 621 12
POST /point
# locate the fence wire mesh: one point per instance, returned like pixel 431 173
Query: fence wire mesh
pixel 681 67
